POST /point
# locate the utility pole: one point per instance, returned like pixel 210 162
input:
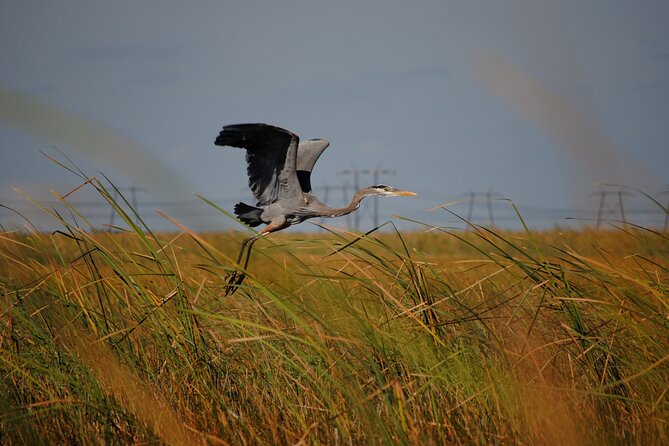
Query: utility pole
pixel 470 211
pixel 375 173
pixel 602 200
pixel 356 186
pixel 620 205
pixel 488 199
pixel 344 199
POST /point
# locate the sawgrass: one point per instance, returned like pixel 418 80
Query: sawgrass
pixel 428 337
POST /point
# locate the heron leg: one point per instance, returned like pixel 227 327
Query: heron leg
pixel 237 277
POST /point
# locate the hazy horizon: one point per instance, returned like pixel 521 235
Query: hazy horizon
pixel 531 101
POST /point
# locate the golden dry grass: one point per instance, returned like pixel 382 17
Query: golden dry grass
pixel 433 337
pixel 558 337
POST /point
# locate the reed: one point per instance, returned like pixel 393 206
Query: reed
pixel 427 337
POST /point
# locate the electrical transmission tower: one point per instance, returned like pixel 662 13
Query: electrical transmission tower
pixel 606 210
pixel 133 199
pixel 488 196
pixel 376 173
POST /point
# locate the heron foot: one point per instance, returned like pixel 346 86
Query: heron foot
pixel 234 281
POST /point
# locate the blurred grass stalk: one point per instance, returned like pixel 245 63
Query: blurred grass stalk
pixel 441 336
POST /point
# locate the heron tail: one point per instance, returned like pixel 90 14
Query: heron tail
pixel 250 215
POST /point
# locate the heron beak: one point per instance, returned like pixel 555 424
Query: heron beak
pixel 404 193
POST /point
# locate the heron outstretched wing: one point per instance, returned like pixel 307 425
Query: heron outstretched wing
pixel 271 156
pixel 308 153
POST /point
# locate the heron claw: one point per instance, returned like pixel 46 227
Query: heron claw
pixel 235 279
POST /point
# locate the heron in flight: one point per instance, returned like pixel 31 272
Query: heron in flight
pixel 279 168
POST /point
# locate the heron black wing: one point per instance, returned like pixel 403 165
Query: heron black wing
pixel 271 156
pixel 308 153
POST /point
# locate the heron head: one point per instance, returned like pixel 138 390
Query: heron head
pixel 382 189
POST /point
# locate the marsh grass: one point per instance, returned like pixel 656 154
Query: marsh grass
pixel 432 337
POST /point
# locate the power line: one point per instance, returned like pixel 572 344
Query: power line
pixel 611 203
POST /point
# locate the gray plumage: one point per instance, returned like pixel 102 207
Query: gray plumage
pixel 279 169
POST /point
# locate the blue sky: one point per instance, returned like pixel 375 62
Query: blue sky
pixel 536 101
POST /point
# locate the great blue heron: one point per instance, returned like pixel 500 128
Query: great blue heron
pixel 279 170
